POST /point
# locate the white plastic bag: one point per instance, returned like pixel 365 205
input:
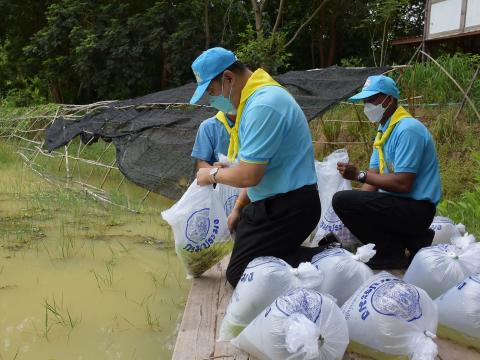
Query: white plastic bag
pixel 330 181
pixel 437 268
pixel 389 317
pixel 459 312
pixel 200 229
pixel 445 229
pixel 264 279
pixel 228 194
pixel 344 272
pixel 226 161
pixel 301 324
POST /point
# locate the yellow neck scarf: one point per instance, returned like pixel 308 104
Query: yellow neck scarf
pixel 381 138
pixel 223 119
pixel 259 79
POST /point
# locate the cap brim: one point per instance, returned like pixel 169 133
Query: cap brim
pixel 363 95
pixel 197 95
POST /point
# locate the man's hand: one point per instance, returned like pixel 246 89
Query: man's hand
pixel 220 165
pixel 203 176
pixel 348 171
pixel 233 218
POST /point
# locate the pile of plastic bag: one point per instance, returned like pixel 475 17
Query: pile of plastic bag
pixel 199 224
pixel 437 268
pixel 459 312
pixel 264 279
pixel 388 317
pixel 345 272
pixel 329 182
pixel 301 324
pixel 445 230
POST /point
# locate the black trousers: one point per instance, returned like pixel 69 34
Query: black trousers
pixel 275 226
pixel 392 223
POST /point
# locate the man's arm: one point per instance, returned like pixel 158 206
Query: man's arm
pixel 368 187
pixel 203 164
pixel 401 182
pixel 204 147
pixel 242 176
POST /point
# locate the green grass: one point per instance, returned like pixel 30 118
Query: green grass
pixel 433 84
pixel 58 314
pixel 466 208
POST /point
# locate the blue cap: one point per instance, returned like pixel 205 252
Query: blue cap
pixel 375 85
pixel 207 66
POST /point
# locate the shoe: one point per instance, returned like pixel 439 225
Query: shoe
pixel 388 262
pixel 419 243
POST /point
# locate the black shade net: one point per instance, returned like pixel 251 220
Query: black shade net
pixel 153 139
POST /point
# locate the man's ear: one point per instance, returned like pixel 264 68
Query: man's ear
pixel 229 75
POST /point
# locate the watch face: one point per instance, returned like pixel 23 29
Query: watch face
pixel 361 176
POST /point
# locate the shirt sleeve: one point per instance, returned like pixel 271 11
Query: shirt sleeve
pixel 374 162
pixel 410 145
pixel 203 148
pixel 263 132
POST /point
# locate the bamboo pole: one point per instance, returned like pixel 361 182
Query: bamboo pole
pixel 121 182
pixel 477 72
pixel 66 162
pixel 107 173
pixel 76 165
pixel 338 142
pixel 84 186
pixel 61 156
pixel 98 160
pixel 455 82
pixel 43 141
pixel 145 197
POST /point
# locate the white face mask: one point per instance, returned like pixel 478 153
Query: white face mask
pixel 373 112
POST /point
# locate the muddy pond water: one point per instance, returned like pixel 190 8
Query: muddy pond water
pixel 79 280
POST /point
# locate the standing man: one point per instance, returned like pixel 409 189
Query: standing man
pixel 213 138
pixel 279 204
pixel 402 185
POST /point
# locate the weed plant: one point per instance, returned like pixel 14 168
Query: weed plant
pixel 427 80
pixel 58 314
pixel 466 209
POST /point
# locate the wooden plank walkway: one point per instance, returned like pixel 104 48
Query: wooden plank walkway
pixel 204 311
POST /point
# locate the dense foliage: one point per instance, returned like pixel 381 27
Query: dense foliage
pixel 78 51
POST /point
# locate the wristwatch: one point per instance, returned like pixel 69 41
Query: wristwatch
pixel 362 176
pixel 213 172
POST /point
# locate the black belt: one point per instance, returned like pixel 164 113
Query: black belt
pixel 305 188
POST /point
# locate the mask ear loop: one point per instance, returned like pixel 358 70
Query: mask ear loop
pixel 230 93
pixel 386 97
pixel 223 78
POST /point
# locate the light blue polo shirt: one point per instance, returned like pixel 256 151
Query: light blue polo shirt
pixel 212 139
pixel 274 131
pixel 411 149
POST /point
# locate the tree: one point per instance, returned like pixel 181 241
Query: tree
pixel 88 50
pixel 379 25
